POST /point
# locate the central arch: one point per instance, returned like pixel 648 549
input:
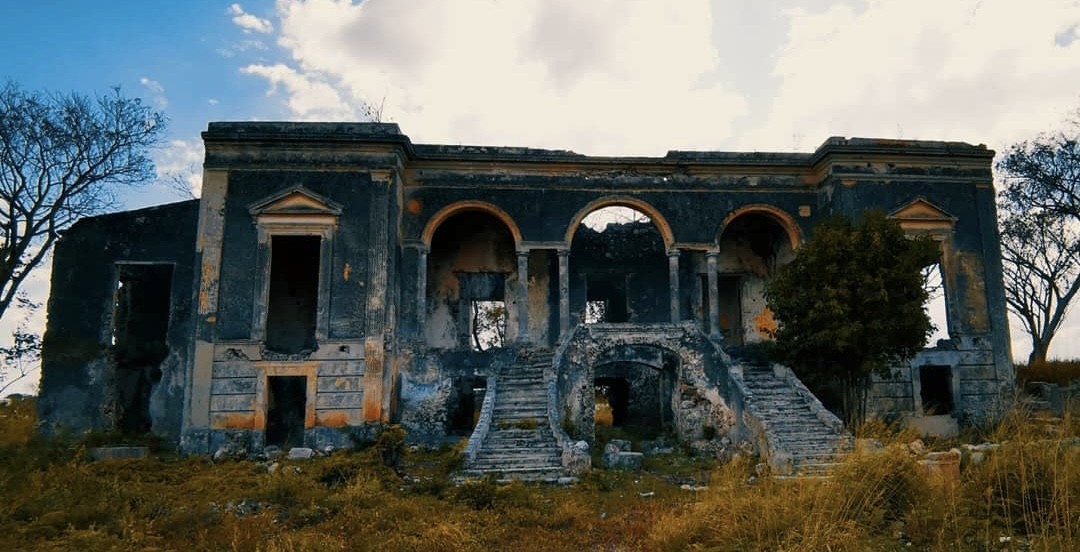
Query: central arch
pixel 634 389
pixel 697 406
pixel 654 215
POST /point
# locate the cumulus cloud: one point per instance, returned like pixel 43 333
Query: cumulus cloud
pixel 156 90
pixel 248 22
pixel 990 71
pixel 606 76
pixel 179 166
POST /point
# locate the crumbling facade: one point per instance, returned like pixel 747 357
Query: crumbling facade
pixel 333 277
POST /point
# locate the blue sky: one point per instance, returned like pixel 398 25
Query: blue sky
pixel 630 77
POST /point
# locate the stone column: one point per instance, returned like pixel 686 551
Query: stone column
pixel 421 289
pixel 564 292
pixel 713 294
pixel 523 295
pixel 375 309
pixel 673 278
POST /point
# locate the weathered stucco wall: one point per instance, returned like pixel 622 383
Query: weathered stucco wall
pixel 79 381
pixel 400 226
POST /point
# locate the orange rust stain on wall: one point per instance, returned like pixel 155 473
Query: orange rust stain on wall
pixel 977 316
pixel 414 206
pixel 372 412
pixel 332 419
pixel 233 421
pixel 346 271
pixel 764 323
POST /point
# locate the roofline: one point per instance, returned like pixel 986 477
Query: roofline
pixel 390 134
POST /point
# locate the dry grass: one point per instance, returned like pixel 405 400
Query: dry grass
pixel 1027 494
pixel 1062 372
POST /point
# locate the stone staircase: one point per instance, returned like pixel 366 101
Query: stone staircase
pixel 794 429
pixel 519 443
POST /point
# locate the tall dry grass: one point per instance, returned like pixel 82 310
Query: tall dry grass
pixel 1023 496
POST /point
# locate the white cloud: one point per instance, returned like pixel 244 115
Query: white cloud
pixel 179 166
pixel 157 90
pixel 213 101
pixel 990 71
pixel 248 22
pixel 610 76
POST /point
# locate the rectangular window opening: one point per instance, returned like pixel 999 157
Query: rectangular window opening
pixel 935 306
pixel 936 392
pixel 595 312
pixel 286 407
pixel 292 305
pixel 608 290
pixel 487 324
pixel 142 300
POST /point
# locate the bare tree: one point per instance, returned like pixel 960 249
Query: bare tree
pixel 1039 211
pixel 62 157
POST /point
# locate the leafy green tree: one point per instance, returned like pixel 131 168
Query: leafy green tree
pixel 851 304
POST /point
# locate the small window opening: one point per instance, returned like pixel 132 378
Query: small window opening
pixel 934 284
pixel 466 401
pixel 936 391
pixel 612 400
pixel 286 408
pixel 140 327
pixel 292 305
pixel 595 312
pixel 488 325
pixel 606 299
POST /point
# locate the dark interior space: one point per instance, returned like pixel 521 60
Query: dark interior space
pixel 294 289
pixel 472 255
pixel 730 308
pixel 612 401
pixel 936 390
pixel 286 405
pixel 466 398
pixel 140 325
pixel 619 258
pixel 605 299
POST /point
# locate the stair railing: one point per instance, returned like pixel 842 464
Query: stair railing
pixel 483 424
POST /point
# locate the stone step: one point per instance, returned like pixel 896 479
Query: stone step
pixel 517 444
pixel 532 474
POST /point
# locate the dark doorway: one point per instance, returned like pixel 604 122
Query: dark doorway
pixel 465 403
pixel 937 397
pixel 730 301
pixel 612 400
pixel 294 290
pixel 140 325
pixel 286 408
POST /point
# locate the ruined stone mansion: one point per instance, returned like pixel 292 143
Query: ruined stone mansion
pixel 335 277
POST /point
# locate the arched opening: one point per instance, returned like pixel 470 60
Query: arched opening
pixel 752 245
pixel 619 268
pixel 471 265
pixel 633 388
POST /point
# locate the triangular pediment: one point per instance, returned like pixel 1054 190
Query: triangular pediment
pixel 297 200
pixel 921 210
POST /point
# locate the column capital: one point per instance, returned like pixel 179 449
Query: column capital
pixel 522 252
pixel 563 252
pixel 711 254
pixel 673 252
